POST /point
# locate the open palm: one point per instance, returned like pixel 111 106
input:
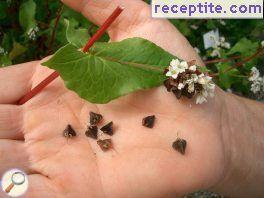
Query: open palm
pixel 142 163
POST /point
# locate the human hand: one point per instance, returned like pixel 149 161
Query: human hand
pixel 143 163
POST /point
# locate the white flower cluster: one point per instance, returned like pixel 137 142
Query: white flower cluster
pixel 262 43
pixel 208 89
pixel 218 44
pixel 222 22
pixel 176 67
pixel 187 79
pixel 194 27
pixel 257 85
pixel 32 33
pixel 2 50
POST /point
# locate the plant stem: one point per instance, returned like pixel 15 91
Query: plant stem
pixel 55 74
pixel 239 64
pixel 103 28
pixel 38 88
pixel 53 34
pixel 90 30
pixel 221 60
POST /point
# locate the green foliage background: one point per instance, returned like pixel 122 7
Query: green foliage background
pixel 18 44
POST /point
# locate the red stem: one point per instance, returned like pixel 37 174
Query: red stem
pixel 221 60
pixel 103 28
pixel 239 64
pixel 59 12
pixel 38 88
pixel 55 74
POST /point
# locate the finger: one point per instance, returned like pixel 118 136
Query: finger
pixel 11 122
pixel 136 21
pixel 15 81
pixel 13 155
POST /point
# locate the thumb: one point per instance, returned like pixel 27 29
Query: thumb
pixel 98 11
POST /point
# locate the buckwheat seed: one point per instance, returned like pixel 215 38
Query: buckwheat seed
pixel 105 144
pixel 92 132
pixel 95 118
pixel 148 121
pixel 108 128
pixel 69 132
pixel 179 145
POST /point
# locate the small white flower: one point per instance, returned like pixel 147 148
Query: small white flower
pixel 208 88
pixel 255 87
pixel 222 22
pixel 2 50
pixel 216 52
pixel 194 27
pixel 192 68
pixel 181 86
pixel 201 97
pixel 183 66
pixel 262 84
pixel 226 45
pixel 262 44
pixel 222 39
pixel 223 43
pixel 176 67
pixel 32 33
pixel 254 75
pixel 218 44
pixel 191 82
pixel 203 79
pixel 191 88
pixel 174 62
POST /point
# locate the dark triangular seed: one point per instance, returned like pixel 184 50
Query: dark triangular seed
pixel 105 144
pixel 108 129
pixel 177 93
pixel 148 121
pixel 180 145
pixel 69 132
pixel 187 94
pixel 167 85
pixel 92 132
pixel 95 118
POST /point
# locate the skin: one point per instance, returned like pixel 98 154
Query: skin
pixel 224 136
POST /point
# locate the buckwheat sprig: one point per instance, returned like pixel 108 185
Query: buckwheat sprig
pixel 184 79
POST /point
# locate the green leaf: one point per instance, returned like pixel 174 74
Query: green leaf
pixel 204 69
pixel 76 36
pixel 17 50
pixel 111 70
pixel 227 79
pixel 3 7
pixel 245 47
pixel 27 13
pixel 5 61
pixel 7 42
